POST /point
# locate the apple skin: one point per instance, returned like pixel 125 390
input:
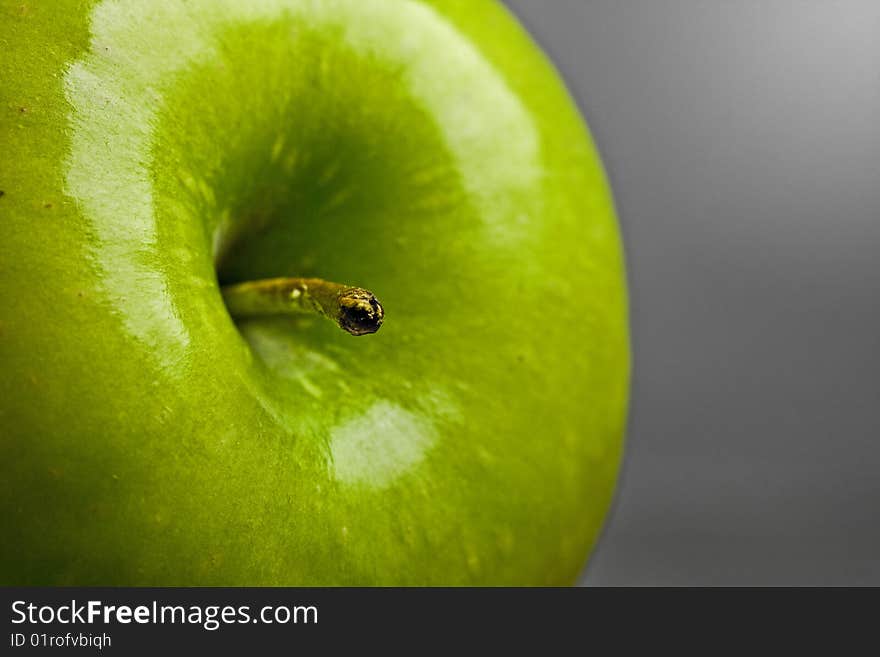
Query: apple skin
pixel 425 150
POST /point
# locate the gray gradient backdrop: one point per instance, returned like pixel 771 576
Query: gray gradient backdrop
pixel 742 139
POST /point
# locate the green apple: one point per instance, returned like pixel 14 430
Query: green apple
pixel 153 152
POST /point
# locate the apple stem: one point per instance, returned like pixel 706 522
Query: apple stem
pixel 354 309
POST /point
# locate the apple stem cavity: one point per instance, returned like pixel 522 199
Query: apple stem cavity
pixel 356 310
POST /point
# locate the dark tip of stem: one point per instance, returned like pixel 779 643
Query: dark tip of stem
pixel 360 312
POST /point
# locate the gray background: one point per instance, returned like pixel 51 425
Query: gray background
pixel 742 140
